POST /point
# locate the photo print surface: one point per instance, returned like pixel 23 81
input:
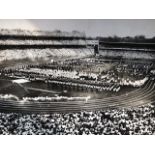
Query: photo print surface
pixel 77 76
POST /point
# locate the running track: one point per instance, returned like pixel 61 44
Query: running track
pixel 143 95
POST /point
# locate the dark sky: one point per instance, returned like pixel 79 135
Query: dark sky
pixel 103 27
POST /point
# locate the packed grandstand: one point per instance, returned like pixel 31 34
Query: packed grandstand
pixel 109 122
pixel 65 83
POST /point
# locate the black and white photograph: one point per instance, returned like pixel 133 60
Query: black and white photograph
pixel 77 76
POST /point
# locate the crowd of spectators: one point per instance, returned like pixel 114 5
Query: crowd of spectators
pixel 57 33
pixel 42 42
pixel 128 55
pixel 44 54
pixel 118 121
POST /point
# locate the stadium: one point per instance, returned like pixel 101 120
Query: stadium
pixel 68 83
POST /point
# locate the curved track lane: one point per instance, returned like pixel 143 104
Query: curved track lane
pixel 141 96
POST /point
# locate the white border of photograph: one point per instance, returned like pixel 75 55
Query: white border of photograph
pixel 77 9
